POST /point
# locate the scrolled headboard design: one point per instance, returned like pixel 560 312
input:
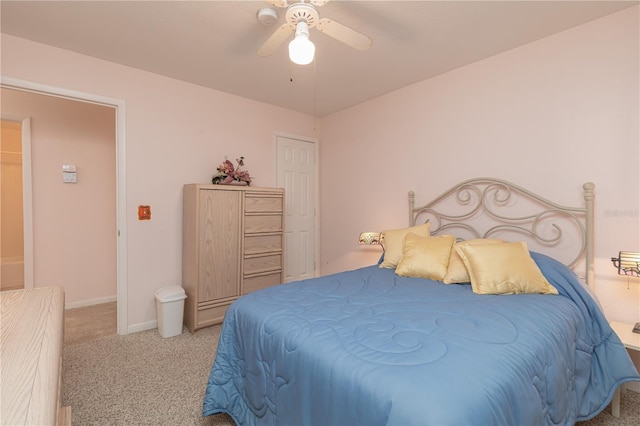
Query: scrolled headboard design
pixel 495 208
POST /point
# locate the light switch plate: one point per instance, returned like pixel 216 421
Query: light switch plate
pixel 69 177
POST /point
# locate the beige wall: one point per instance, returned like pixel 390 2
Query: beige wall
pixel 176 133
pixel 548 116
pixel 11 244
pixel 74 224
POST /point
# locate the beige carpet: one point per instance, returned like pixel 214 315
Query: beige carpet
pixel 143 379
pixel 140 379
pixel 89 323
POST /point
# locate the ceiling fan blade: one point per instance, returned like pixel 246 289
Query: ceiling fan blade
pixel 344 34
pixel 275 40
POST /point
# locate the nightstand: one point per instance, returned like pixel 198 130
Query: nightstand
pixel 631 341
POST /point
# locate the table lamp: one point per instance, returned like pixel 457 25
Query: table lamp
pixel 628 264
pixel 369 238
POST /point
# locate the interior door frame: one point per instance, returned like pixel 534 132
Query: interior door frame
pixel 316 225
pixel 121 223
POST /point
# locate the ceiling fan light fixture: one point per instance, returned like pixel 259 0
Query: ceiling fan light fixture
pixel 301 49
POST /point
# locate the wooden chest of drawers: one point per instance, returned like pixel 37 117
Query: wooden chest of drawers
pixel 233 244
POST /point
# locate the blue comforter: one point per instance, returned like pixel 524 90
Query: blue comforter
pixel 369 347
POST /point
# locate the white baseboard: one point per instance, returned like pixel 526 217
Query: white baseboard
pixel 91 302
pixel 142 326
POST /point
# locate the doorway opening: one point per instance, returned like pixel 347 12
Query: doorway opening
pixel 120 231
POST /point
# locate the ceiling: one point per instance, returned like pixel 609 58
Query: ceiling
pixel 214 43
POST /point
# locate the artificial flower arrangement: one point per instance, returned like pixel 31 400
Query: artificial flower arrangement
pixel 226 174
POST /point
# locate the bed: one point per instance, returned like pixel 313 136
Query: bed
pixel 373 347
pixel 32 336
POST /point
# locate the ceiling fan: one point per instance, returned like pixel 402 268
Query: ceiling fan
pixel 301 16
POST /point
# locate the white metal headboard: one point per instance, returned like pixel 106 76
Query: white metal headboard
pixel 499 207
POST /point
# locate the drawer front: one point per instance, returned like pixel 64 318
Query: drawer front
pixel 256 244
pixel 211 315
pixel 258 283
pixel 258 204
pixel 262 223
pixel 254 265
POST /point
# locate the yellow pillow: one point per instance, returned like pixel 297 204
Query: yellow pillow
pixel 393 240
pixel 504 268
pixel 425 257
pixel 457 272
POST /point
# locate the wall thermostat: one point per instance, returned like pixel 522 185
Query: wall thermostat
pixel 69 173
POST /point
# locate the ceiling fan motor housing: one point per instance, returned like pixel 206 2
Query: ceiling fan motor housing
pixel 302 12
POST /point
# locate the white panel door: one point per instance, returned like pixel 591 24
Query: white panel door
pixel 296 173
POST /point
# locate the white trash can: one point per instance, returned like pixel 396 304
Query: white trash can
pixel 170 307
